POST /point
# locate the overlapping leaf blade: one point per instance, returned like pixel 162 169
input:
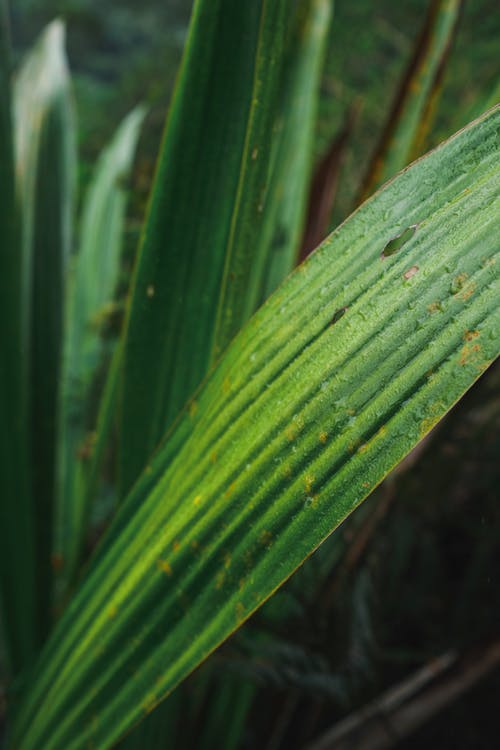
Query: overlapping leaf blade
pixel 284 212
pixel 207 197
pixel 347 366
pixel 91 288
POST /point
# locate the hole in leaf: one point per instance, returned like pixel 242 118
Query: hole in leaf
pixel 398 241
pixel 338 314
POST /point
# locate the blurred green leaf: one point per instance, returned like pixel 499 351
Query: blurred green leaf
pixel 17 568
pixel 303 417
pixel 410 117
pixel 324 187
pixel 91 288
pixel 45 168
pixel 206 205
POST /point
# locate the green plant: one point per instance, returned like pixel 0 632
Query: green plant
pixel 223 488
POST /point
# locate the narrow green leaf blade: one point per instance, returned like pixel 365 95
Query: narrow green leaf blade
pixel 278 241
pixel 92 285
pixel 210 183
pixel 46 169
pixel 17 592
pixel 415 101
pixel 346 367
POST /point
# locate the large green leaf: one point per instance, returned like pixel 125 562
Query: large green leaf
pixel 345 368
pixel 413 108
pixel 91 287
pixel 207 200
pixel 46 168
pixel 17 592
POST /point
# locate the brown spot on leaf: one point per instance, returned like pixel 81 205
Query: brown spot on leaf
pixel 469 354
pixel 434 307
pixel 470 335
pixel 410 272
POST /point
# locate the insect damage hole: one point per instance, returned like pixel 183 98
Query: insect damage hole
pixel 397 242
pixel 338 314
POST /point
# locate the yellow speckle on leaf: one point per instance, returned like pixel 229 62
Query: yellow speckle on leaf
pixel 226 385
pixel 380 433
pixel 175 546
pixel 459 282
pixel 164 566
pixel 230 489
pixel 353 445
pixel 213 457
pixel 436 411
pixel 468 291
pixel 488 261
pixel 197 500
pixel 308 482
pixel 311 501
pixel 240 611
pixel 323 437
pixel 150 703
pixel 220 579
pixel 463 288
pixel 227 560
pixel 296 426
pixel 112 612
pixel 150 291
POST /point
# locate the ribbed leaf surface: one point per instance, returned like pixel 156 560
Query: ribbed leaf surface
pixel 346 367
